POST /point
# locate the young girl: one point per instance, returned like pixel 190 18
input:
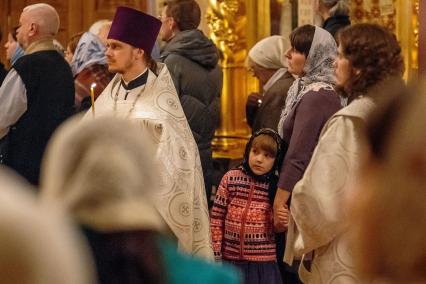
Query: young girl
pixel 241 217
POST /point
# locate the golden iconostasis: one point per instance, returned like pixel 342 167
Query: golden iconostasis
pixel 235 25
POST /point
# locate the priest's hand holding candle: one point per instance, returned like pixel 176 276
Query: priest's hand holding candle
pixel 92 97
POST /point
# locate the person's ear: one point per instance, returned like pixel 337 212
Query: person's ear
pixel 173 24
pixel 33 29
pixel 140 52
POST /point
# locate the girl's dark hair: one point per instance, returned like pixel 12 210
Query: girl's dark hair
pixel 281 149
pixel 267 143
pixel 374 52
pixel 279 146
pixel 301 39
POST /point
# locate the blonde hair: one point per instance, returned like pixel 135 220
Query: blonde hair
pixel 45 16
pixel 96 27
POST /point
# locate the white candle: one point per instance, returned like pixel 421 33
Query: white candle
pixel 92 97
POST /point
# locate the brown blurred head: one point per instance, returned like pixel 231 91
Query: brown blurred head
pixel 389 217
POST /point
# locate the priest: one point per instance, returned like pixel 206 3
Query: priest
pixel 143 92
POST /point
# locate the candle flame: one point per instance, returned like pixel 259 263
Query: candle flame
pixel 93 85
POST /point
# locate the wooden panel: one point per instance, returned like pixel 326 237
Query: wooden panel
pixel 75 15
pixel 4 9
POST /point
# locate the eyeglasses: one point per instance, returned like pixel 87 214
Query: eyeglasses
pixel 161 17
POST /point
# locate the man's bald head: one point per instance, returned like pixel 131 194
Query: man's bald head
pixel 45 16
pixel 37 22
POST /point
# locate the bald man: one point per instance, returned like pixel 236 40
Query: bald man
pixel 37 93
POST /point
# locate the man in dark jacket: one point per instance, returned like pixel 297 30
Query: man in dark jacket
pixel 37 93
pixel 192 60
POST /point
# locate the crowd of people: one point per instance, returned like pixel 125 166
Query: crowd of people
pixel 107 168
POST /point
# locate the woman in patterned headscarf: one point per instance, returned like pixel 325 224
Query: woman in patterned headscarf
pixel 311 101
pixel 369 70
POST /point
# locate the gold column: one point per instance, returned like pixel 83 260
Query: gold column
pixel 234 34
pixel 407 31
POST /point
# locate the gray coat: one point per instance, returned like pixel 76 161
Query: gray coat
pixel 192 60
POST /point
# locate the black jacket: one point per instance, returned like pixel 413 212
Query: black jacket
pixel 335 23
pixel 50 97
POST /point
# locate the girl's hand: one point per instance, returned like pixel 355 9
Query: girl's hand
pixel 281 218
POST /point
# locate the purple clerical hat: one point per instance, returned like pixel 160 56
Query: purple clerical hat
pixel 135 28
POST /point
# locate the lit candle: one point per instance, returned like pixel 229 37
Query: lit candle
pixel 92 96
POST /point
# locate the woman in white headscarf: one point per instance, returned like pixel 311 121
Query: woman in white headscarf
pixel 265 60
pixel 37 244
pixel 310 102
pixel 103 171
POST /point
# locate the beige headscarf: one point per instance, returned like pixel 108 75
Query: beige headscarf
pixel 37 244
pixel 269 52
pixel 103 171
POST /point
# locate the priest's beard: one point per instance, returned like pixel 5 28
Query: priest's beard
pixel 120 67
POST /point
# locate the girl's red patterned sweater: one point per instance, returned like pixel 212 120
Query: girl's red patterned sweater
pixel 241 219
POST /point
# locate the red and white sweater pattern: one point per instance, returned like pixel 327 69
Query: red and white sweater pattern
pixel 241 219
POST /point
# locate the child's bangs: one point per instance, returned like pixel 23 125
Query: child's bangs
pixel 266 143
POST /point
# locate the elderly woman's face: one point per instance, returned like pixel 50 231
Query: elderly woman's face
pixel 343 68
pixel 258 72
pixel 296 61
